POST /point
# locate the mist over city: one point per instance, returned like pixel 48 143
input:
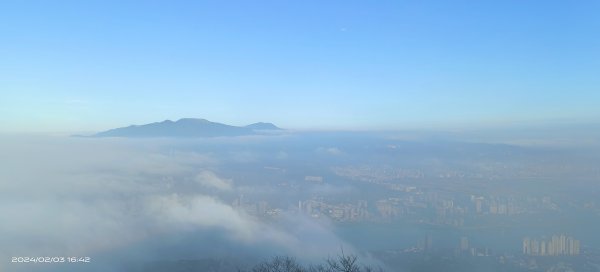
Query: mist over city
pixel 419 204
pixel 299 136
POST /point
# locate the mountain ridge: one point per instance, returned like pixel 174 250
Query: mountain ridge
pixel 187 128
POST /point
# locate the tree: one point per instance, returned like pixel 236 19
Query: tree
pixel 343 263
pixel 279 264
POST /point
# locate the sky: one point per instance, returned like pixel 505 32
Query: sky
pixel 70 66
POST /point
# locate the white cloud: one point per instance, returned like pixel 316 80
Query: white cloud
pixel 88 196
pixel 334 151
pixel 211 180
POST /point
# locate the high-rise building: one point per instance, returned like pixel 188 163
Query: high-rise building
pixel 464 243
pixel 479 204
pixel 535 247
pixel 558 245
pixel 527 246
pixel 543 248
pixel 555 245
pixel 563 244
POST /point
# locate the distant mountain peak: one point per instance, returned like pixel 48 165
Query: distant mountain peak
pixel 186 128
pixel 192 120
pixel 263 126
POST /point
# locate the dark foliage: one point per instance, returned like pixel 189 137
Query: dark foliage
pixel 343 263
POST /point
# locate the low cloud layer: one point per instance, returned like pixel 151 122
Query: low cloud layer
pixel 91 197
pixel 211 180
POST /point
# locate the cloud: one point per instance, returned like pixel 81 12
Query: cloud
pixel 77 197
pixel 100 197
pixel 334 151
pixel 180 211
pixel 211 180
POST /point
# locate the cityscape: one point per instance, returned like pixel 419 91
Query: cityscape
pixel 417 207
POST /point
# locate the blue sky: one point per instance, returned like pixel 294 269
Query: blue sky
pixel 93 65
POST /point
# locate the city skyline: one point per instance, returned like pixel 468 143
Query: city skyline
pixel 91 66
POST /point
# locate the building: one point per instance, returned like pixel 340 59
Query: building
pixel 464 244
pixel 557 245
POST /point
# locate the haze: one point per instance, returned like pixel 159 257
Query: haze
pixel 216 135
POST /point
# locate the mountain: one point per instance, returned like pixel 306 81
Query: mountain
pixel 186 127
pixel 262 126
